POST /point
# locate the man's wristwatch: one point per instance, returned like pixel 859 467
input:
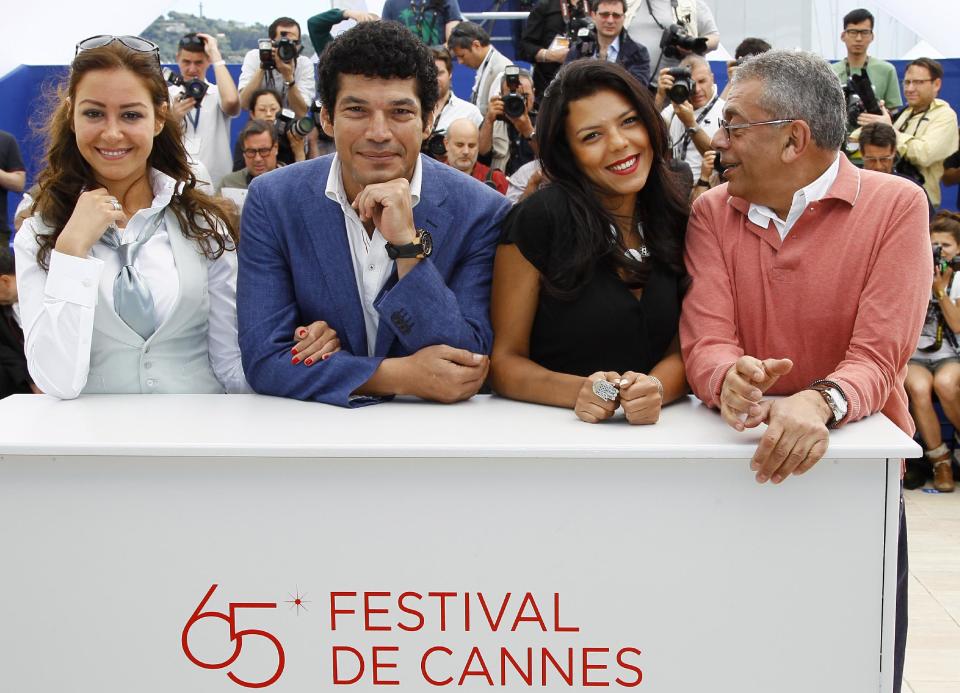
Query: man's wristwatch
pixel 702 183
pixel 835 399
pixel 419 249
pixel 693 131
pixel 290 83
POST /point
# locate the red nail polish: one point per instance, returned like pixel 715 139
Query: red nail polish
pixel 308 362
pixel 294 350
pixel 295 360
pixel 325 357
pixel 303 333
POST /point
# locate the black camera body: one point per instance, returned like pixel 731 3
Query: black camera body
pixel 194 89
pixel 676 36
pixel 287 49
pixel 585 43
pixel 682 84
pixel 941 263
pixel 434 146
pixel 288 122
pixel 860 98
pixel 514 103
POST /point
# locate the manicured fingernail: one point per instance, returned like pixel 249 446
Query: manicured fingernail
pixel 761 479
pixel 624 382
pixel 303 333
pixel 309 361
pixel 325 357
pixel 295 360
pixel 294 350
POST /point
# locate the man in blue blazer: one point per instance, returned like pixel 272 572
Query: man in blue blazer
pixel 392 251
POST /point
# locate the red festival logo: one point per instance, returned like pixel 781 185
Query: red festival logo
pixel 236 636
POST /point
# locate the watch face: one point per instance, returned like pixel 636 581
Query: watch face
pixel 426 243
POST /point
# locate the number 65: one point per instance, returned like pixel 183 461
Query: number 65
pixel 235 636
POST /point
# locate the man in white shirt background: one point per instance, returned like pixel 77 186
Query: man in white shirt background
pixel 292 79
pixel 695 120
pixel 205 122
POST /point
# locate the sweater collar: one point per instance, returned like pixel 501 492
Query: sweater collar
pixel 846 187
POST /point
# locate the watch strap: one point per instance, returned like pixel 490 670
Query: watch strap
pixel 835 398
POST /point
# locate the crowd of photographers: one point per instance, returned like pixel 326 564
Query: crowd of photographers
pixel 490 135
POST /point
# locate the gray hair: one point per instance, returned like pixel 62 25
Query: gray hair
pixel 801 86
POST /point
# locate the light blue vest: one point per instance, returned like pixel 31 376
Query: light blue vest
pixel 175 358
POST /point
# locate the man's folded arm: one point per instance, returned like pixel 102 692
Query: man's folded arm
pixel 708 332
pixel 267 315
pixel 424 310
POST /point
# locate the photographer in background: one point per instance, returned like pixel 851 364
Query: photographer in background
pixel 935 366
pixel 431 21
pixel 693 116
pixel 461 140
pixel 279 66
pixel 266 107
pixel 608 40
pixel 449 106
pixel 13 177
pixel 926 129
pixel 204 113
pixel 878 149
pixel 547 35
pixel 258 144
pixel 510 116
pixel 857 36
pixel 671 30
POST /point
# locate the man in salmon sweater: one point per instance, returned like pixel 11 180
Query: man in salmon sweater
pixel 810 278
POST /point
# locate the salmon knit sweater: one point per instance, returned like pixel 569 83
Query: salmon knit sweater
pixel 844 295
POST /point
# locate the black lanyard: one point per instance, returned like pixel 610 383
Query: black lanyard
pixel 685 142
pixel 195 119
pixel 863 70
pixel 923 117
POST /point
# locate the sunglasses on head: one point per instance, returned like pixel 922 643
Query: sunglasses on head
pixel 134 43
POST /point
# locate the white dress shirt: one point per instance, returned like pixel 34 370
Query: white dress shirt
pixel 57 306
pixel 371 264
pixel 817 190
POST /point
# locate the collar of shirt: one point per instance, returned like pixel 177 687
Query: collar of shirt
pixel 163 187
pixel 817 190
pixel 335 191
pixel 613 51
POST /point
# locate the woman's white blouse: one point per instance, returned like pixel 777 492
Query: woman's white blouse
pixel 57 306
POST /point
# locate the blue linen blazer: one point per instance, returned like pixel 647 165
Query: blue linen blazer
pixel 296 268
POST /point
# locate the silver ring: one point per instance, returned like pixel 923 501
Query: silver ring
pixel 606 391
pixel 116 204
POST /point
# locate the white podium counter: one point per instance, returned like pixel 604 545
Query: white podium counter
pixel 221 543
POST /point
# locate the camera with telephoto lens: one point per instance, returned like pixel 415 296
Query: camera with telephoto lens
pixel 514 103
pixel 676 36
pixel 265 48
pixel 682 84
pixel 194 89
pixel 941 263
pixel 585 43
pixel 860 99
pixel 288 122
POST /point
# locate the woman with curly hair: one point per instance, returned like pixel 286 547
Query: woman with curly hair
pixel 588 281
pixel 126 271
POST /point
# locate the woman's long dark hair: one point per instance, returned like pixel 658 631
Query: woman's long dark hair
pixel 661 205
pixel 67 173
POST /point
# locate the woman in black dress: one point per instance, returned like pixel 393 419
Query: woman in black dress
pixel 589 277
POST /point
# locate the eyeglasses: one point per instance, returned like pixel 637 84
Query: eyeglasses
pixel 134 43
pixel 862 33
pixel 610 15
pixel 911 82
pixel 878 159
pixel 262 152
pixel 727 127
